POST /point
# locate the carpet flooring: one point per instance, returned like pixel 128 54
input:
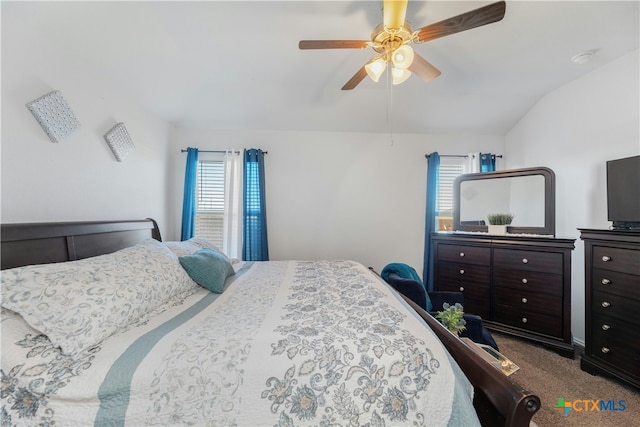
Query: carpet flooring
pixel 551 377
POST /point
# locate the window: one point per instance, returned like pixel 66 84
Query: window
pixel 450 168
pixel 210 196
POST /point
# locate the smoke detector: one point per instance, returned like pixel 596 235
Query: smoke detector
pixel 582 58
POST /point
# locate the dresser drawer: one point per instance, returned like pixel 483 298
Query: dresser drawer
pixel 449 272
pixel 548 262
pixel 529 281
pixel 535 322
pixel 616 283
pixel 464 254
pixel 474 288
pixel 612 328
pixel 474 282
pixel 616 351
pixel 526 301
pixel 616 259
pixel 478 306
pixel 616 306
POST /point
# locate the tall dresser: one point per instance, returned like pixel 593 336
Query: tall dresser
pixel 612 299
pixel 518 285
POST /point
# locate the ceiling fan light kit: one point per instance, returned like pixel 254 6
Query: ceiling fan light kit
pixel 402 57
pixel 392 39
pixel 399 75
pixel 375 68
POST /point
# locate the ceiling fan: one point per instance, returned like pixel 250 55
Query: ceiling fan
pixel 392 39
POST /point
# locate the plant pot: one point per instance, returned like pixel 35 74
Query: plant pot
pixel 497 229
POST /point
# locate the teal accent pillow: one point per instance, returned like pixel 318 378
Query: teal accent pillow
pixel 208 268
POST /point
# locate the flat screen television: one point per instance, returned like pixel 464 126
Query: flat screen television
pixel 623 193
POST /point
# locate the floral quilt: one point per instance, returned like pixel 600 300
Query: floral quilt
pixel 287 343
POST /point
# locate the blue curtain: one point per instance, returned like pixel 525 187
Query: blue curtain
pixel 189 198
pixel 433 169
pixel 487 162
pixel 254 245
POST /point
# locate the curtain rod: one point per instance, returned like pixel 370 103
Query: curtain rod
pixel 466 156
pixel 217 151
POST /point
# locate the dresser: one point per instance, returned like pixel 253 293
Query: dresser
pixel 612 304
pixel 518 285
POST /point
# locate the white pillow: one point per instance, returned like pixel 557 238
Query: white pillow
pixel 78 304
pixel 191 246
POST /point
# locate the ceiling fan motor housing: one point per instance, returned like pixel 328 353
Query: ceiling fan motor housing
pixel 386 41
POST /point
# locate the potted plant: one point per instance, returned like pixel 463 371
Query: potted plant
pixel 451 317
pixel 498 222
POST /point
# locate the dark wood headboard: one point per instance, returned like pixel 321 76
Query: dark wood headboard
pixel 43 243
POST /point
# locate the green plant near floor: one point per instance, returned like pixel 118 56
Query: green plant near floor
pixel 500 218
pixel 452 317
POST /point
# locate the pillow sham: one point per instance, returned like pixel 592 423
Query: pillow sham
pixel 78 304
pixel 208 268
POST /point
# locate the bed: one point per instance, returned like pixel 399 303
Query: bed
pixel 123 335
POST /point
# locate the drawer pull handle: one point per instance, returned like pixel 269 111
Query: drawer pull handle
pixel 524 300
pixel 525 261
pixel 605 281
pixel 461 254
pixel 606 327
pixel 606 304
pixel 525 281
pixel 461 271
pixel 605 350
pixel 461 288
pixel 606 258
pixel 524 320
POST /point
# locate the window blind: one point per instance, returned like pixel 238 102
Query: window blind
pixel 210 200
pixel 448 173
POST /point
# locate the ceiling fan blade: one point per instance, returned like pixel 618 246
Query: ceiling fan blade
pixel 356 79
pixel 465 21
pixel 423 68
pixel 394 12
pixel 333 44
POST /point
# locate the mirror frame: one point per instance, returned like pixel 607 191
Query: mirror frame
pixel 549 227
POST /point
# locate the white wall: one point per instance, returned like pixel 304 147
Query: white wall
pixel 78 178
pixel 330 195
pixel 574 130
pixel 338 195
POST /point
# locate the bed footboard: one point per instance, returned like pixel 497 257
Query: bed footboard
pixel 498 400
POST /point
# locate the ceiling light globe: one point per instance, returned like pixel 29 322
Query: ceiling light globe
pixel 399 75
pixel 375 68
pixel 402 57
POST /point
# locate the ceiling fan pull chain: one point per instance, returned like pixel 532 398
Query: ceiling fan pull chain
pixel 390 105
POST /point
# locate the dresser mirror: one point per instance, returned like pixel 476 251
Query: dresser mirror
pixel 528 194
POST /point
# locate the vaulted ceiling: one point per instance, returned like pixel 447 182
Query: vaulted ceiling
pixel 236 64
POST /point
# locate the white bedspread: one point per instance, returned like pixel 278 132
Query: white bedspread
pixel 287 343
